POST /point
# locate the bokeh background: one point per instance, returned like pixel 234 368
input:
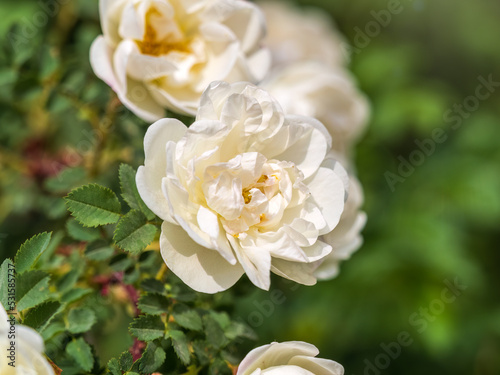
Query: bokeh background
pixel 436 226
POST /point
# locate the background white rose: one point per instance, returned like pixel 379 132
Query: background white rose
pixel 29 350
pixel 301 34
pixel 245 189
pixel 158 54
pixel 287 358
pixel 326 93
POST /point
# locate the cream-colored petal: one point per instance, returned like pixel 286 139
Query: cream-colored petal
pixel 318 251
pixel 101 57
pixel 110 12
pixel 328 192
pixel 4 325
pixel 302 273
pixel 149 177
pixel 308 152
pixel 209 223
pixel 202 269
pixel 255 261
pixel 275 354
pixel 131 23
pixel 318 366
pixel 286 370
pixel 31 338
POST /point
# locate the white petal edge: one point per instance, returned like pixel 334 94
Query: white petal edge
pixel 149 177
pixel 202 269
pixel 275 354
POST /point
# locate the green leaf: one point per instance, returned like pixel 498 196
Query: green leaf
pixel 68 281
pixel 75 294
pixel 81 352
pixel 65 180
pixel 238 329
pixel 114 367
pixel 30 251
pixel 120 262
pixel 56 239
pixel 219 367
pixel 147 328
pixel 130 193
pixel 186 318
pixel 93 205
pixel 80 233
pixel 80 320
pixel 152 359
pixel 40 316
pixel 153 286
pixel 126 361
pixel 133 233
pixel 131 275
pixel 222 318
pixel 52 330
pixel 214 332
pixel 99 250
pixel 202 351
pixel 153 304
pixel 180 343
pixel 32 288
pixel 7 276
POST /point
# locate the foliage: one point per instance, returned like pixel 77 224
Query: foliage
pixel 92 283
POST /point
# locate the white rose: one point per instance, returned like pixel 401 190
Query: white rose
pixel 287 358
pixel 346 237
pixel 326 93
pixel 302 34
pixel 245 189
pixel 158 54
pixel 29 348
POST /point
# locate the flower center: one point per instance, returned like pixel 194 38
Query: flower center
pixel 151 44
pixel 260 184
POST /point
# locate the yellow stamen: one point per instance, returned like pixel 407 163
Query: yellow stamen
pixel 150 45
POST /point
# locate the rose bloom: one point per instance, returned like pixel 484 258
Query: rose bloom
pixel 162 54
pixel 245 189
pixel 326 93
pixel 302 34
pixel 287 358
pixel 29 350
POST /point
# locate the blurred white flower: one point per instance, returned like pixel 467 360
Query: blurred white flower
pixel 301 34
pixel 162 54
pixel 28 355
pixel 288 358
pixel 245 189
pixel 346 237
pixel 325 93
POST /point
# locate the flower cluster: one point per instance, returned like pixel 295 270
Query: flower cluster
pixel 262 180
pixel 256 184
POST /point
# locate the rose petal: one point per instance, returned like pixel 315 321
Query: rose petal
pixel 149 177
pixel 328 192
pixel 274 354
pixel 318 366
pixel 301 273
pixel 202 269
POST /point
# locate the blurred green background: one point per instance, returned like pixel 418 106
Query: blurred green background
pixel 440 223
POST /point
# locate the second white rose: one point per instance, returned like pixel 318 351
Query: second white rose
pixel 162 54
